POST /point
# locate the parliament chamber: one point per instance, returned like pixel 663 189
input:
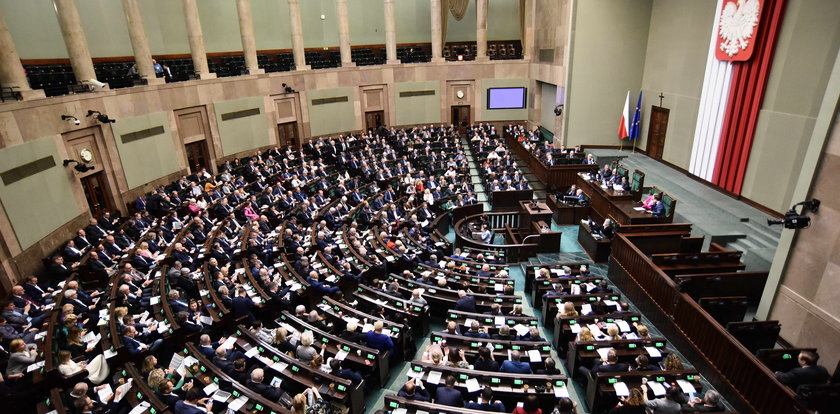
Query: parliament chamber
pixel 419 206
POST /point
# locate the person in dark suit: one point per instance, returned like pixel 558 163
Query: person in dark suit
pixel 448 395
pixel 608 364
pixel 339 371
pixel 71 252
pixel 486 402
pixel 808 372
pixel 242 305
pixel 657 209
pixel 35 291
pixel 59 271
pixel 194 402
pixel 133 345
pixel 465 303
pixel 377 340
pixel 268 391
pixel 94 231
pixel 414 390
pixel 351 333
pixel 169 396
pixel 176 303
pixel 514 365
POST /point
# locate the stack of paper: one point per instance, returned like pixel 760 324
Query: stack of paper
pixel 140 408
pixel 211 388
pixel 433 377
pixel 657 388
pixel 653 352
pixel 621 389
pixel 561 392
pixel 686 386
pixel 104 393
pixel 236 404
pixel 473 385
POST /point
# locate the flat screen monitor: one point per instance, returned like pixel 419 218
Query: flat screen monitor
pixel 571 200
pixel 506 98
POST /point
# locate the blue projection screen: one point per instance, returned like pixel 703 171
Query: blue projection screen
pixel 506 98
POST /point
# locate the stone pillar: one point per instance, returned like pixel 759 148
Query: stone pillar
pixel 481 30
pixel 196 38
pixel 528 30
pixel 11 70
pixel 344 34
pixel 390 34
pixel 297 35
pixel 139 43
pixel 437 32
pixel 74 39
pixel 246 31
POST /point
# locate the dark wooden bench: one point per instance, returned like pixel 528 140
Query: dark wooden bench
pixel 755 335
pixel 748 284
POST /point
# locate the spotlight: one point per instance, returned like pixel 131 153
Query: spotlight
pixel 288 89
pixel 101 117
pixel 80 167
pixel 71 118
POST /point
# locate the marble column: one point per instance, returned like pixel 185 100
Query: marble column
pixel 344 34
pixel 246 31
pixel 528 31
pixel 390 34
pixel 74 39
pixel 140 43
pixel 196 39
pixel 11 70
pixel 481 30
pixel 297 35
pixel 437 32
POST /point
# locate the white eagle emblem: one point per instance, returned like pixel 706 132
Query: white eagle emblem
pixel 736 25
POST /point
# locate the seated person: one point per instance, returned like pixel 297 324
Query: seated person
pixel 378 340
pixel 256 384
pixel 351 333
pixel 808 372
pixel 648 203
pixel 448 394
pixel 550 368
pixel 533 335
pixel 486 360
pixel 710 403
pixel 194 402
pixel 346 373
pixel 514 365
pixel 485 402
pixel 414 390
pixel 657 209
pixel 476 331
pixel 608 364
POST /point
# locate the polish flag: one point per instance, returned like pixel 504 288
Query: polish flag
pixel 624 125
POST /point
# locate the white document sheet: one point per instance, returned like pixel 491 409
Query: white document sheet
pixel 621 389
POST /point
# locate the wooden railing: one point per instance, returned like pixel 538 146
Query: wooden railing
pixel 742 379
pixel 497 222
pixel 558 176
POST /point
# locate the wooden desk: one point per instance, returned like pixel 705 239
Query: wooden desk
pixel 532 212
pixel 549 240
pixel 563 213
pixel 607 202
pixel 598 249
